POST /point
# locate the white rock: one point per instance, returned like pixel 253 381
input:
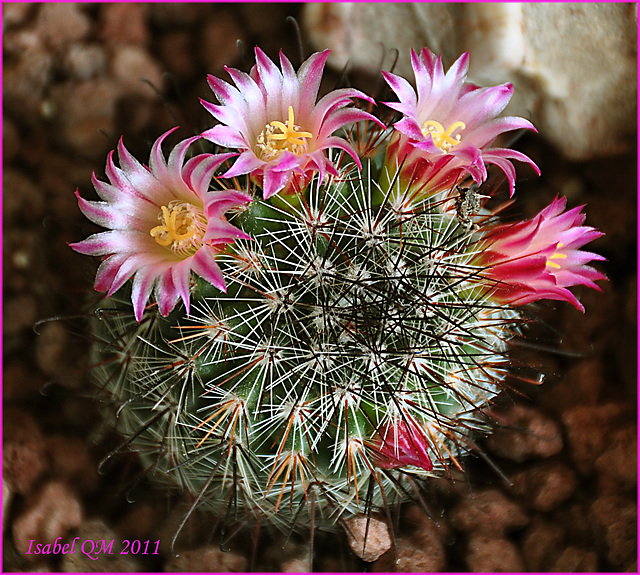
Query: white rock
pixel 573 64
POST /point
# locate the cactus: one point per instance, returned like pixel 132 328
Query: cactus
pixel 351 312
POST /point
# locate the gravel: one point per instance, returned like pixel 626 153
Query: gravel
pixel 557 488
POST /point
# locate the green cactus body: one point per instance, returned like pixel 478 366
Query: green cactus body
pixel 340 319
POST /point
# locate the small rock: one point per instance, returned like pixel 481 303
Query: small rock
pixel 22 201
pixel 60 23
pixel 130 66
pixel 493 555
pixel 176 53
pixel 545 486
pixel 25 75
pixel 85 61
pixel 88 129
pixel 579 102
pixel 23 450
pixel 51 348
pixel 219 44
pixel 10 144
pixel 69 460
pixel 542 543
pixel 124 23
pixel 368 537
pixel 422 551
pixel 526 434
pixel 617 519
pixel 575 559
pixel 98 559
pixel 207 559
pixel 489 511
pixel 16 13
pixel 178 14
pixel 7 496
pixel 618 464
pixel 20 312
pixel 52 512
pixel 580 386
pixel 588 429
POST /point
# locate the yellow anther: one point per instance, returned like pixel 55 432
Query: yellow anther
pixel 289 133
pixel 441 137
pixel 183 226
pixel 278 137
pixel 556 256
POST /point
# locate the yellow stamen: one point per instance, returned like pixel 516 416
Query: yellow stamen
pixel 278 137
pixel 556 256
pixel 183 226
pixel 441 137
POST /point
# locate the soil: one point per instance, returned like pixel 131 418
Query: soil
pixel 554 489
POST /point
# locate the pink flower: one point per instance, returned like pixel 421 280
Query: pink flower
pixel 448 126
pixel 272 117
pixel 541 258
pixel 402 443
pixel 163 224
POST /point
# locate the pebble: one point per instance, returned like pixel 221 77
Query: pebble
pixel 20 313
pixel 542 543
pixel 617 519
pixel 23 451
pixel 89 129
pixel 487 555
pixel 175 51
pixel 588 429
pixel 84 61
pixel 545 486
pixel 25 75
pixel 368 537
pixel 7 497
pixel 581 385
pixel 575 559
pixel 60 23
pixel 124 23
pixel 70 460
pixel 207 559
pixel 219 43
pixel 16 13
pixel 617 465
pixel 96 531
pixel 489 511
pixel 526 433
pixel 133 68
pixel 178 14
pixel 52 512
pixel 23 201
pixel 10 143
pixel 422 550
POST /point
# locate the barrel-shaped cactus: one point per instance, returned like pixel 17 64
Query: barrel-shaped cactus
pixel 308 348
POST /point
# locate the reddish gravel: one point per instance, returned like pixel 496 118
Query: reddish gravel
pixel 560 493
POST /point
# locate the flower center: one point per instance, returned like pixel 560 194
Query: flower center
pixel 182 229
pixel 278 137
pixel 444 139
pixel 556 256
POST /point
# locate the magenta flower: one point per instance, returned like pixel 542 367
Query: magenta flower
pixel 272 117
pixel 400 444
pixel 541 258
pixel 448 126
pixel 163 224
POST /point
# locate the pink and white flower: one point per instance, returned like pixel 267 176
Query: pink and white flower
pixel 402 443
pixel 272 117
pixel 448 127
pixel 163 224
pixel 541 258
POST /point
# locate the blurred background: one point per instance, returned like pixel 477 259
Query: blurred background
pixel 77 77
